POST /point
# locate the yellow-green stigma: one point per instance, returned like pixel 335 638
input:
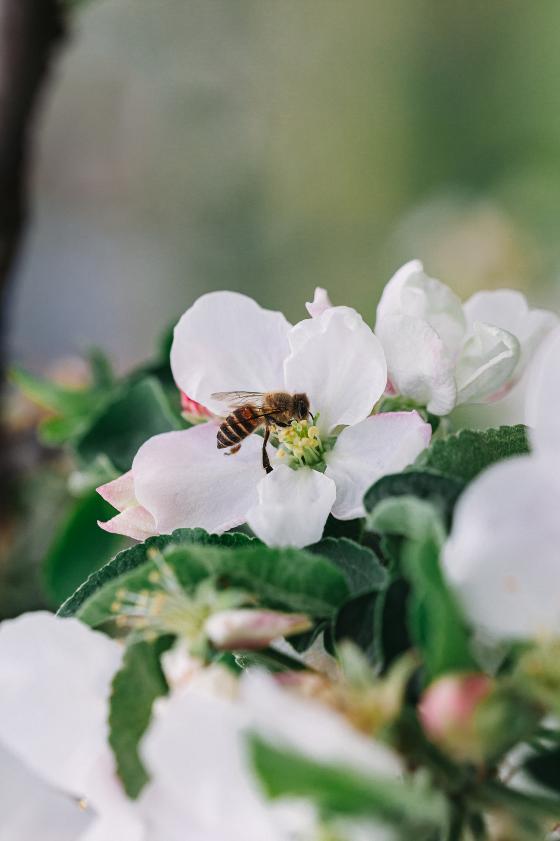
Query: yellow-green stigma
pixel 167 608
pixel 300 445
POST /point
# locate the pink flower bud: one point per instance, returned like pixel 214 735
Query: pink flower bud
pixel 448 713
pixel 193 411
pixel 252 629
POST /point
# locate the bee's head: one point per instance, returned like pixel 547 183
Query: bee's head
pixel 301 406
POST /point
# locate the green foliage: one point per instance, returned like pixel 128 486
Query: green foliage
pixel 289 579
pixel 467 453
pixel 544 768
pixel 441 491
pixel 361 567
pixel 136 686
pixel 435 621
pixel 337 789
pixel 139 411
pixel 79 547
pixel 130 559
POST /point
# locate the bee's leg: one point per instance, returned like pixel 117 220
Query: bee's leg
pixel 265 458
pixel 234 450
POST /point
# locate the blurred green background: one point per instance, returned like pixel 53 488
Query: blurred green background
pixel 273 145
pixel 267 146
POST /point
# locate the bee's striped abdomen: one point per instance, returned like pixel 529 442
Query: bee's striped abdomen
pixel 237 426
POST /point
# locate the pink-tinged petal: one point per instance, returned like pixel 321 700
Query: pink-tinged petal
pixel 412 292
pixel 193 411
pixel 120 492
pixel 502 555
pixel 252 629
pixel 292 507
pixel 184 481
pixel 320 302
pixel 543 398
pixel 136 522
pixel 339 363
pixel 487 362
pixel 55 681
pixel 227 342
pixel 382 444
pixel 419 365
pixel 509 310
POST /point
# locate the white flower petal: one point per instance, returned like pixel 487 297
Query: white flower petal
pixel 227 342
pixel 184 481
pixel 320 302
pixel 502 556
pixel 312 729
pixel 55 677
pixel 543 397
pixel 34 811
pixel 419 365
pixel 339 363
pixel 194 751
pixel 292 507
pixel 487 362
pixel 384 443
pixel 120 492
pixel 508 309
pixel 412 292
pixel 134 522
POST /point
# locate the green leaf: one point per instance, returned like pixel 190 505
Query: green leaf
pixel 135 687
pixel 361 567
pixel 139 411
pixel 53 397
pixel 359 621
pixel 288 579
pixel 465 454
pixel 441 491
pixel 137 555
pixel 544 768
pixel 79 547
pixel 407 516
pixel 435 621
pixel 342 790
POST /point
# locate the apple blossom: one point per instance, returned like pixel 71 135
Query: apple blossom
pixel 443 354
pixel 55 681
pixel 502 554
pixel 252 629
pixel 225 342
pixel 447 711
pixel 201 776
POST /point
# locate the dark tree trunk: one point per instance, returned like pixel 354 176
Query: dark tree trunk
pixel 31 32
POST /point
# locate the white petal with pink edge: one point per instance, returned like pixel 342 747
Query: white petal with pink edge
pixel 381 444
pixel 487 362
pixel 339 363
pixel 292 507
pixel 184 481
pixel 420 367
pixel 508 309
pixel 227 342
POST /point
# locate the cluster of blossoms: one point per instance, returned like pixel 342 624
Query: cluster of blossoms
pixel 427 348
pixel 395 696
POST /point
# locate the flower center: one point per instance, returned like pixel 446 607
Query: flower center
pixel 300 445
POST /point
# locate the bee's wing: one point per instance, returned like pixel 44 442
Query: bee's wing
pixel 235 399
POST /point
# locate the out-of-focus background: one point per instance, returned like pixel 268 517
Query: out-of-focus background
pixel 265 146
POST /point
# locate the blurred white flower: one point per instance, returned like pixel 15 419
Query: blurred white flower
pixel 502 557
pixel 443 354
pixel 201 777
pixel 226 341
pixel 55 681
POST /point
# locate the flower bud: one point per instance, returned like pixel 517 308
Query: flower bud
pixel 252 629
pixel 448 711
pixel 192 411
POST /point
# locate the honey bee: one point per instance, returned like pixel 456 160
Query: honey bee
pixel 253 409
